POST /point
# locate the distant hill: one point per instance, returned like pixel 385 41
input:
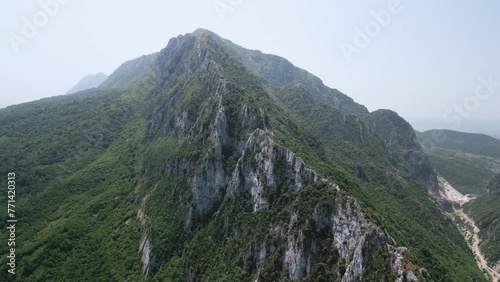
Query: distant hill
pixel 467 160
pixel 88 82
pixel 478 144
pixel 483 126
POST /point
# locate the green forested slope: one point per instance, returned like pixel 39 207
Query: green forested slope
pixel 74 171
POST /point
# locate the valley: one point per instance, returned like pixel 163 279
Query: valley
pixel 466 225
pixel 471 161
pixel 470 231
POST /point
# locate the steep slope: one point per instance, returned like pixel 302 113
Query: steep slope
pixel 468 161
pixel 74 170
pixel 88 82
pixel 215 170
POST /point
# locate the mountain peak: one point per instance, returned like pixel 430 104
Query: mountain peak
pixel 202 31
pixel 185 54
pixel 88 82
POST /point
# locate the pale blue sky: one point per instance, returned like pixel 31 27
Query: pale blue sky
pixel 427 58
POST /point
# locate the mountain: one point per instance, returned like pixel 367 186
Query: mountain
pixel 467 160
pixel 88 82
pixel 210 162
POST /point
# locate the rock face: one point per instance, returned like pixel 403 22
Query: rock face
pixel 264 167
pixel 353 238
pixel 144 249
pixel 144 243
pixel 264 170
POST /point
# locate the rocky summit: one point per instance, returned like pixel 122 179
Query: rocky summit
pixel 207 161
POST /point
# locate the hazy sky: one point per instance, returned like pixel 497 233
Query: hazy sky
pixel 423 59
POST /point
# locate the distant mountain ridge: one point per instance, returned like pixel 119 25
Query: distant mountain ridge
pixel 467 160
pixel 88 82
pixel 481 126
pixel 479 144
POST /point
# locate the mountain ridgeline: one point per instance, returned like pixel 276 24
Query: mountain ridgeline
pixel 88 82
pixel 210 162
pixel 468 161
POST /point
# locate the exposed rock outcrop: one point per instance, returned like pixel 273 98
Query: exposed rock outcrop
pixel 144 243
pixel 264 168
